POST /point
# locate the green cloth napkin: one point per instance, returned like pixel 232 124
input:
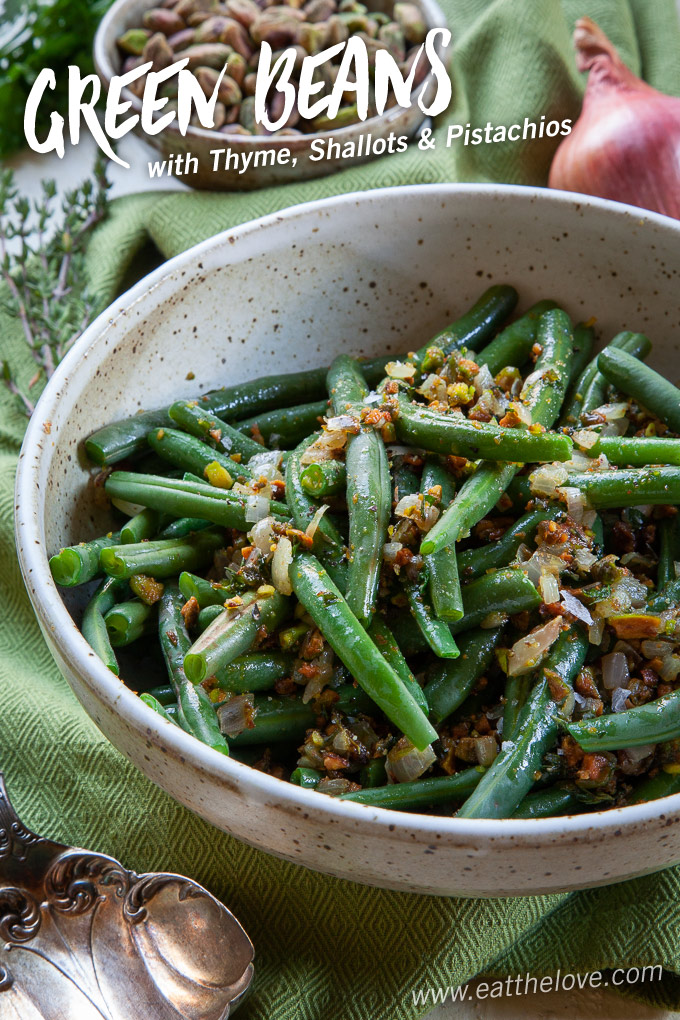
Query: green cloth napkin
pixel 325 946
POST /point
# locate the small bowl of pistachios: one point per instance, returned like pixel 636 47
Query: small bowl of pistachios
pixel 243 94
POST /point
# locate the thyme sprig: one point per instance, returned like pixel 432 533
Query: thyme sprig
pixel 42 247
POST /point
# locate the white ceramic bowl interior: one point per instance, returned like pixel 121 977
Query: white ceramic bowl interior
pixel 366 273
pixel 200 142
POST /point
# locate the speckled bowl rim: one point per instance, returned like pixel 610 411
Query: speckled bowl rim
pixel 33 559
pixel 106 70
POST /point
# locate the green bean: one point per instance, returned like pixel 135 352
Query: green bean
pixel 373 774
pixel 206 593
pixel 404 482
pixel 323 479
pixel 196 712
pixel 455 434
pixel 501 591
pixel 143 525
pixel 547 803
pixel 590 389
pixel 477 496
pixel 93 625
pixel 287 719
pixel 190 454
pixel 289 637
pixel 230 635
pixel 544 390
pixel 515 697
pixel 159 709
pixel 353 646
pixel 407 633
pixel 387 644
pixel 663 784
pixel 669 550
pixel 208 615
pixel 435 473
pixel 513 345
pixel 308 779
pixel 584 338
pixel 195 419
pixel 512 774
pixel 442 566
pixel 286 426
pixel 451 682
pixel 641 382
pixel 369 498
pixel 189 476
pixel 77 564
pixel 257 671
pixel 369 503
pixel 165 693
pixel 517 495
pixel 187 499
pixel 542 396
pixel 629 487
pixel 653 723
pixel 419 793
pixel 436 632
pixel 183 526
pixel 635 451
pixel 506 591
pixel 474 328
pixel 127 621
pixel 329 545
pixel 163 557
pixel 473 563
pixel 127 438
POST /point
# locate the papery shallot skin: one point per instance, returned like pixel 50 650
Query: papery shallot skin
pixel 625 146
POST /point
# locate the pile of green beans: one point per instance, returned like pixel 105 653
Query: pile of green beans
pixel 444 582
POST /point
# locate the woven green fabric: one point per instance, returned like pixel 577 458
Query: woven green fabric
pixel 324 946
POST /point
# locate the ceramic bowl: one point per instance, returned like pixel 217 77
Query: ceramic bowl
pixel 369 272
pixel 199 142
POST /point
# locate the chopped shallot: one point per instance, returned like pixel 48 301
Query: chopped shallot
pixel 257 508
pixel 405 762
pixel 526 653
pixel 619 698
pixel 546 480
pixel 576 608
pixel 615 672
pixel 310 530
pixel 283 557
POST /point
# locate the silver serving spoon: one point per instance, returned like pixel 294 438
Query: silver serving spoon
pixel 84 938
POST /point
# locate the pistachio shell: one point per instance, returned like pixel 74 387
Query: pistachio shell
pixel 159 52
pixel 185 8
pixel 410 19
pixel 211 29
pixel 393 38
pixel 243 11
pixel 133 41
pixel 180 40
pixel 319 10
pixel 158 19
pixel 207 55
pixel 237 37
pixel 228 92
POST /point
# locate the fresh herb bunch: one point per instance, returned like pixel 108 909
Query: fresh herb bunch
pixel 35 34
pixel 41 264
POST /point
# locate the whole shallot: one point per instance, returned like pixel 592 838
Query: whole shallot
pixel 626 143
